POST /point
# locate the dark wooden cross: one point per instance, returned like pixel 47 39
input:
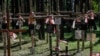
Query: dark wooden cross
pixel 58 31
pixel 8 37
pixel 9 30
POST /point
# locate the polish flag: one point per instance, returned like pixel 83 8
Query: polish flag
pixel 13 36
pixel 47 20
pixel 73 25
pixel 52 21
pixel 86 20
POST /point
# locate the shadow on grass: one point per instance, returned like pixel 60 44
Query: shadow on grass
pixel 72 38
pixel 16 44
pixel 75 51
pixel 41 44
pixel 98 42
pixel 97 33
pixel 29 54
pixel 98 36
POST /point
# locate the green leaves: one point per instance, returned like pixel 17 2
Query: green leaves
pixel 95 5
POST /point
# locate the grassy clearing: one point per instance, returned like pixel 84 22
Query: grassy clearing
pixel 42 47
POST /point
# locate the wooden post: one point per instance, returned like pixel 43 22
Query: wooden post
pixel 58 39
pixel 8 38
pixel 78 45
pixel 67 50
pixel 47 36
pixel 47 10
pixel 58 31
pixel 8 44
pixel 50 38
pixel 20 37
pixel 32 40
pixel 32 31
pixel 50 44
pixel 20 33
pixel 91 44
pixel 83 8
pixel 83 36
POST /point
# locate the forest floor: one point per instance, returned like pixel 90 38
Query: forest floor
pixel 42 47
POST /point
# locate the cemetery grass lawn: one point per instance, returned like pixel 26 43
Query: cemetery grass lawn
pixel 42 47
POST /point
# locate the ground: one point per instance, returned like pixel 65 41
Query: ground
pixel 42 47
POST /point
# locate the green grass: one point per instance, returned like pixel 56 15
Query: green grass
pixel 42 47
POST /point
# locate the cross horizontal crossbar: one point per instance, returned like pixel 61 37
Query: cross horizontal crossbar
pixel 14 30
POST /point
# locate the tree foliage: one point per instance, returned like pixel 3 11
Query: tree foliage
pixel 95 4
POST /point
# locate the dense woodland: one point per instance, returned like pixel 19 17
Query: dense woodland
pixel 49 7
pixel 24 6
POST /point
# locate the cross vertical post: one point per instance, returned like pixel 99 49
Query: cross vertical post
pixel 20 35
pixel 50 44
pixel 83 40
pixel 91 43
pixel 58 30
pixel 8 38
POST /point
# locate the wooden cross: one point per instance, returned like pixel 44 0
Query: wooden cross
pixel 8 37
pixel 91 42
pixel 58 31
pixel 8 30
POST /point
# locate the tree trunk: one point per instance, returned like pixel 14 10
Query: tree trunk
pixel 31 5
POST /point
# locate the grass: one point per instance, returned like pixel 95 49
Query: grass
pixel 42 47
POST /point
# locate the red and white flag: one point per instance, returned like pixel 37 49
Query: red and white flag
pixel 13 35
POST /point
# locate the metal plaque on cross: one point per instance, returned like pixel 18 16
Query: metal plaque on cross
pixel 91 36
pixel 58 20
pixel 78 34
